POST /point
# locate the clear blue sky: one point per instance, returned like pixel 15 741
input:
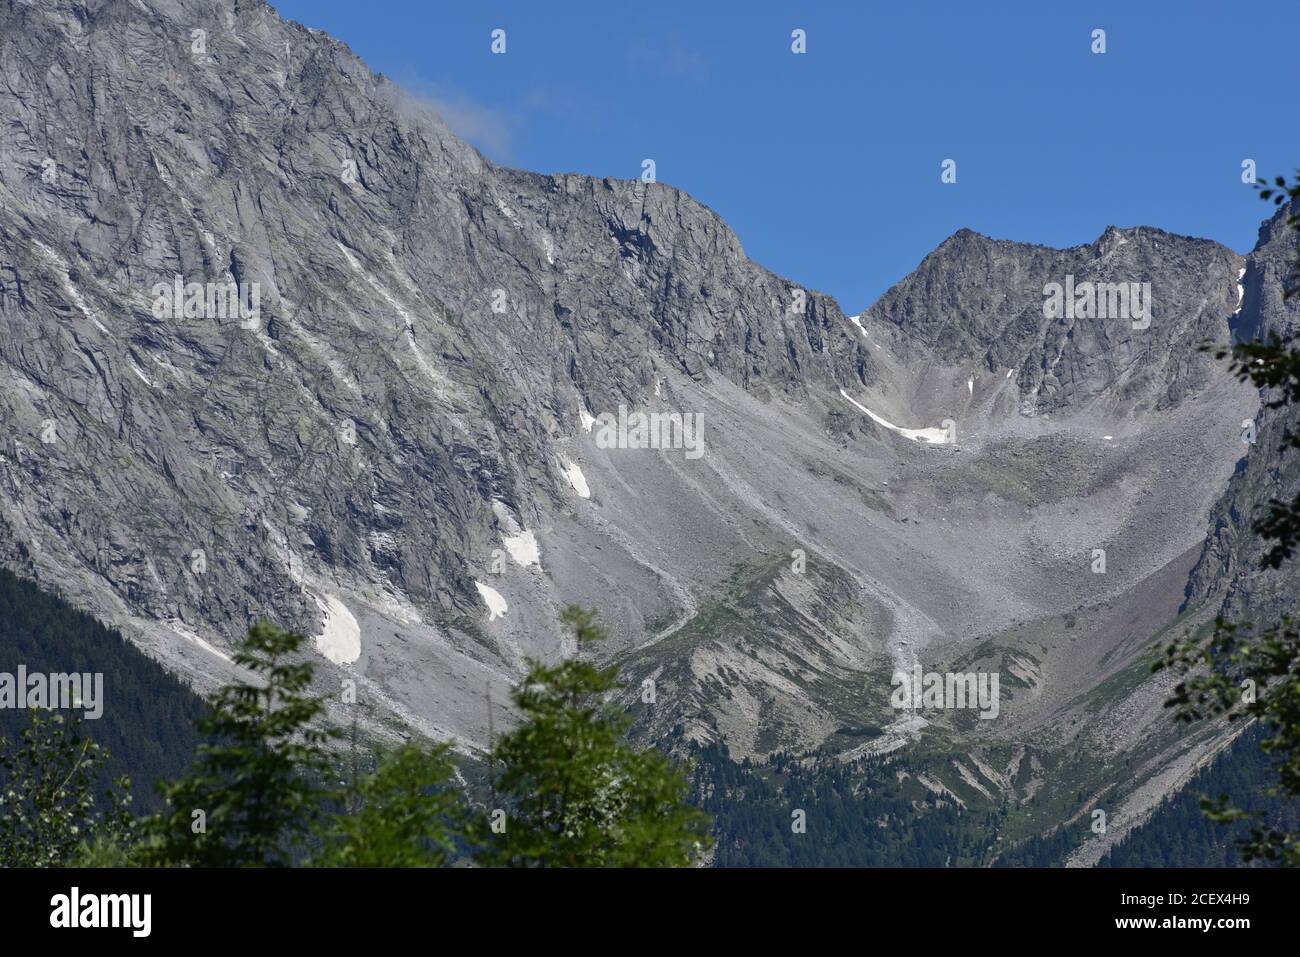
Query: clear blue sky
pixel 827 164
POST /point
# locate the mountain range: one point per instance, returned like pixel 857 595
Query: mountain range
pixel 278 344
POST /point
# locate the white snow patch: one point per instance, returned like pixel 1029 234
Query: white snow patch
pixel 523 548
pixel 190 635
pixel 1241 291
pixel 340 641
pixel 1108 437
pixel 140 374
pixel 497 606
pixel 509 214
pixel 931 436
pixel 857 322
pixel 576 478
pixel 970 386
pixel 588 420
pixel 1010 372
pixel 521 544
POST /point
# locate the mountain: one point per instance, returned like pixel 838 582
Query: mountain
pixel 280 345
pixel 1229 570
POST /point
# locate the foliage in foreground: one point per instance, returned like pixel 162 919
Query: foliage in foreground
pixel 578 795
pixel 259 792
pixel 255 791
pixel 404 814
pixel 48 807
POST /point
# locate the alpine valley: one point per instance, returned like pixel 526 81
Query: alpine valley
pixel 449 398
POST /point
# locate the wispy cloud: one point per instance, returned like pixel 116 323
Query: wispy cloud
pixel 673 61
pixel 496 129
pixel 485 127
pixel 490 128
pixel 565 103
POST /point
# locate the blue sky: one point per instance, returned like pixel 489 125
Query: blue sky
pixel 827 164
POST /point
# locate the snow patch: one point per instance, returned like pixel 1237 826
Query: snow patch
pixel 509 214
pixel 340 640
pixel 140 374
pixel 1241 290
pixel 930 436
pixel 970 386
pixel 576 478
pixel 190 635
pixel 523 548
pixel 857 322
pixel 521 544
pixel 588 420
pixel 497 606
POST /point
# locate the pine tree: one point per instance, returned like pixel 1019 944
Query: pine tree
pixel 577 794
pixel 255 790
pixel 406 814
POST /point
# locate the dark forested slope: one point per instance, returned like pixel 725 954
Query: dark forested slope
pixel 148 714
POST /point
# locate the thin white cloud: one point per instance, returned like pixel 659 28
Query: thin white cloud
pixel 674 61
pixel 490 129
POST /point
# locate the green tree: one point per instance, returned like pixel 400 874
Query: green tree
pixel 406 813
pixel 575 792
pixel 1242 670
pixel 256 788
pixel 48 808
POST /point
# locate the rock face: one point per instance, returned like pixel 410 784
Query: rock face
pixel 1229 570
pixel 977 300
pixel 407 391
pixel 384 407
